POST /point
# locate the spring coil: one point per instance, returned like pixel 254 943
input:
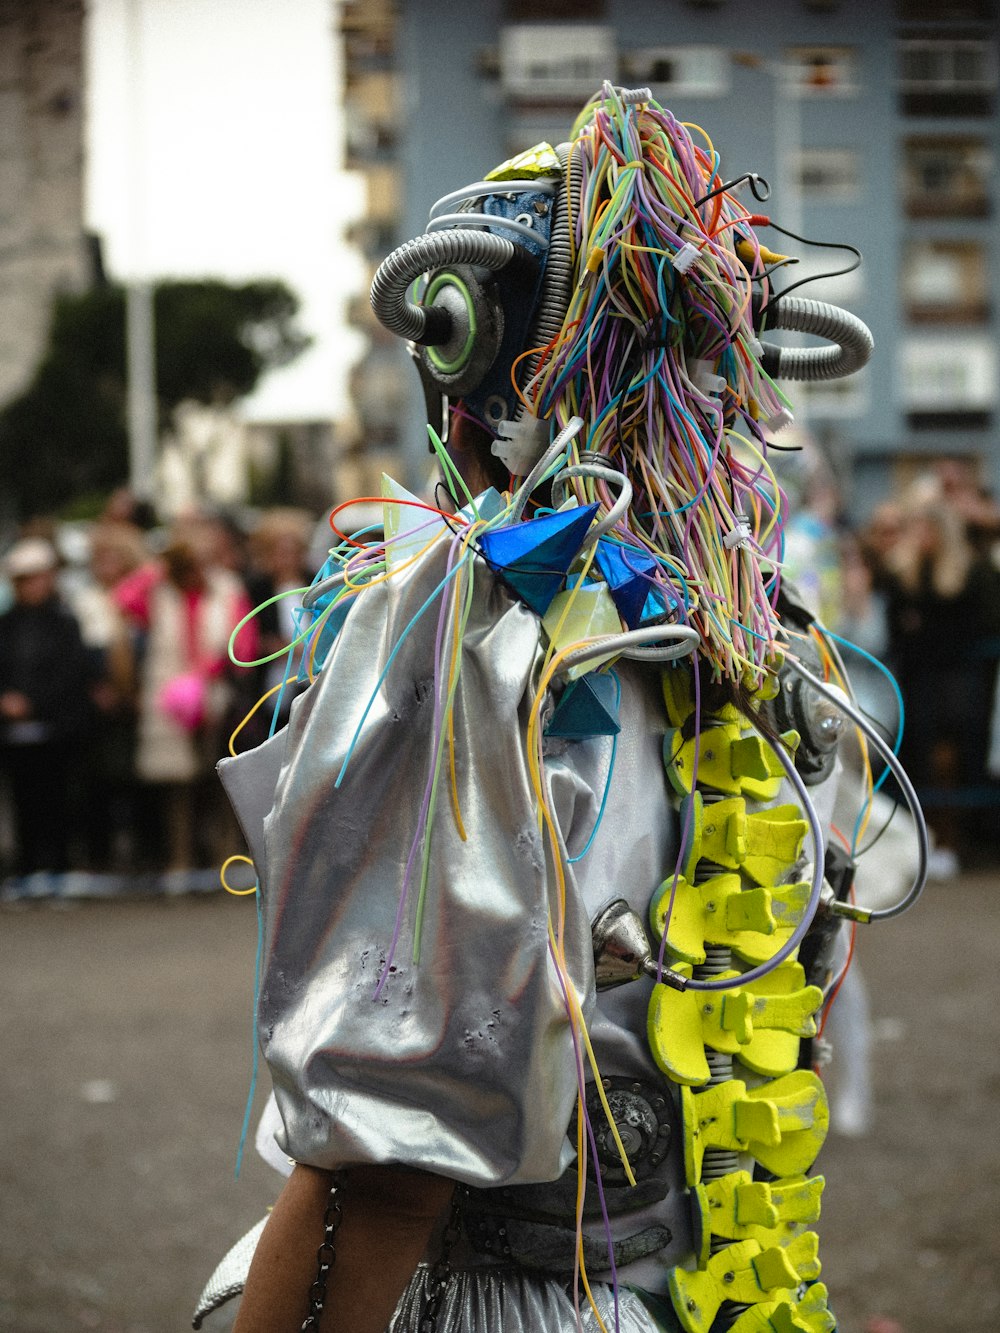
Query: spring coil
pixel 556 286
pixel 719 1162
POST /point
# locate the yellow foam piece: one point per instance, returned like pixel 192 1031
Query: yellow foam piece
pixel 727 761
pixel 783 1123
pixel 754 923
pixel 803 1117
pixel 589 611
pixel 788 903
pixel 765 843
pixel 810 1315
pixel 782 1011
pixel 674 1033
pixel 728 1276
pixel 742 1272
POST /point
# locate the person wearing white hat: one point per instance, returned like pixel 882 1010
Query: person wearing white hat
pixel 43 705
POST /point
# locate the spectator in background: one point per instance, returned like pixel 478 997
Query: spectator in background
pixel 943 602
pixel 958 482
pixel 186 606
pixel 281 568
pixel 109 825
pixel 44 684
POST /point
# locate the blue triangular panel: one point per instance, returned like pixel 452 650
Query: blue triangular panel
pixel 625 569
pixel 533 558
pixel 654 608
pixel 588 707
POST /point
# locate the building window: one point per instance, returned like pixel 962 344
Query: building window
pixel 948 384
pixel 555 62
pixel 678 71
pixel 947 176
pixel 822 71
pixel 371 102
pixel 828 175
pixel 817 400
pixel 953 76
pixel 945 282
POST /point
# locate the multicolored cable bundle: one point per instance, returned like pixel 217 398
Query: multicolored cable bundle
pixel 658 355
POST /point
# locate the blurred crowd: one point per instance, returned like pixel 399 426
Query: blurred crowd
pixel 917 586
pixel 117 692
pixel 118 695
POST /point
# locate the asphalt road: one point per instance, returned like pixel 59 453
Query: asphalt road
pixel 126 1062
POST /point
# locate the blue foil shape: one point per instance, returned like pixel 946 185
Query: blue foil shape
pixel 588 707
pixel 533 558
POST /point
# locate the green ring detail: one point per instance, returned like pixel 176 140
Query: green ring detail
pixel 462 358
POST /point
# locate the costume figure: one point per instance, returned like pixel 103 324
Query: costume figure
pixel 542 850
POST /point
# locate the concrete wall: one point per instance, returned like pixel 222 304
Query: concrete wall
pixel 41 160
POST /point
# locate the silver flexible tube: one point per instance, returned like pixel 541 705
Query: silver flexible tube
pixel 430 325
pixel 537 473
pixel 604 473
pixel 853 338
pixel 644 644
pixel 867 914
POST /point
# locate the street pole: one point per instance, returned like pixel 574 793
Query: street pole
pixel 140 340
pixel 141 387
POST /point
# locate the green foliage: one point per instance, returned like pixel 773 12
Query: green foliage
pixel 65 435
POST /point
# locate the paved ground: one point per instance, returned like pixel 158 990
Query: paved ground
pixel 126 1059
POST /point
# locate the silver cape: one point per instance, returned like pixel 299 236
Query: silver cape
pixel 463 1063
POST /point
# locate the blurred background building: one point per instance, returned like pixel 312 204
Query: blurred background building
pixel 43 248
pixel 874 123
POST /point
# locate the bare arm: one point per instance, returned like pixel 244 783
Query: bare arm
pixel 388 1217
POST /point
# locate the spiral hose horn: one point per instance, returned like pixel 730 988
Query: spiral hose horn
pixel 430 325
pixel 796 314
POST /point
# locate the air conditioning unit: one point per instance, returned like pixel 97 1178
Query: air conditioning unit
pixel 678 71
pixel 954 375
pixel 556 62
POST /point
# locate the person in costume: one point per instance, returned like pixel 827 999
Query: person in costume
pixel 549 915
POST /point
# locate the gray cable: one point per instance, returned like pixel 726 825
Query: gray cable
pixel 866 914
pixel 798 934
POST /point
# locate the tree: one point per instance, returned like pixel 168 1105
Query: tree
pixel 65 435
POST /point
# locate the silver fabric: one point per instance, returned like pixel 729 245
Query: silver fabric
pixel 464 1064
pixel 230 1277
pixel 487 1300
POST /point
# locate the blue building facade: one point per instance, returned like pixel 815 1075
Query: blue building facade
pixel 874 124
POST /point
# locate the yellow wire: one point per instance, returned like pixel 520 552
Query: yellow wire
pixel 237 893
pixel 557 936
pixel 262 700
pixel 396 569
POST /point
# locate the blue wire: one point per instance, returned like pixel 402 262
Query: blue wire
pixel 253 1029
pixel 846 643
pixel 572 860
pixel 392 657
